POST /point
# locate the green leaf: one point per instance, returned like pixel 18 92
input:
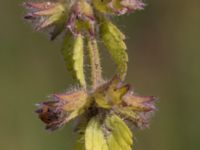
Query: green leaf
pixel 94 136
pixel 74 57
pixel 111 134
pixel 120 136
pixel 113 39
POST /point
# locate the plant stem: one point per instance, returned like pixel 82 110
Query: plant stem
pixel 94 57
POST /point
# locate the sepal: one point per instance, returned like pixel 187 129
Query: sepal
pixel 61 108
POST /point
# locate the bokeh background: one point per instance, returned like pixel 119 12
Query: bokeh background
pixel 164 50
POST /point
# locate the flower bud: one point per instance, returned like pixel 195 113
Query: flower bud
pixel 140 103
pixel 117 7
pixel 62 108
pixel 137 109
pixel 81 18
pixel 120 7
pixel 46 14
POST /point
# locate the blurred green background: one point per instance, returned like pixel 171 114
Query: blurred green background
pixel 164 50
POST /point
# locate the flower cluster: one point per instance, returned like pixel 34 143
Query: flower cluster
pixel 111 97
pixel 78 16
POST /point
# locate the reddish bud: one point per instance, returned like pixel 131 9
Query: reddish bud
pixel 62 108
pixel 81 18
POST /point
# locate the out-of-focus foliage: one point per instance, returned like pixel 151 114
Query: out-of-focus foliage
pixel 163 47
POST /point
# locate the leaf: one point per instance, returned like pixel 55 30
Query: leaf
pixel 94 136
pixel 120 136
pixel 113 39
pixel 73 55
pixel 112 134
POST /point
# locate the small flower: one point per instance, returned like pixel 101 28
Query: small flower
pixel 62 108
pixel 117 97
pixel 118 7
pixel 45 14
pixel 121 7
pixel 139 109
pixel 139 103
pixel 81 18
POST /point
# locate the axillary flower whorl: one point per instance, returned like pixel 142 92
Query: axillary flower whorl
pixel 118 97
pixel 76 15
pixel 111 97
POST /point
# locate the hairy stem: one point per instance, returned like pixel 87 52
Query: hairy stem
pixel 94 57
